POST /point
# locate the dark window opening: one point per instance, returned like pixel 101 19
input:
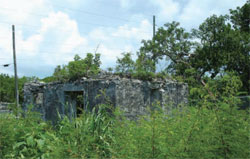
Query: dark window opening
pixel 76 100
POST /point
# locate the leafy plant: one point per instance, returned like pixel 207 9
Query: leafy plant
pixel 125 64
pixel 76 69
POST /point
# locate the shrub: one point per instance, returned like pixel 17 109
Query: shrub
pixel 213 130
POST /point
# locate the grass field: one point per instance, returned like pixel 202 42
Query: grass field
pixel 191 133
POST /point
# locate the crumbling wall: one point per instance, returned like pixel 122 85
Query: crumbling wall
pixel 131 95
pixel 4 107
pixel 51 99
pixel 135 96
pixel 34 96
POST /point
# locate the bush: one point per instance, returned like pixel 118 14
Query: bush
pixel 76 69
pixel 214 130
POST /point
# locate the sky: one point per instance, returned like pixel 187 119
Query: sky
pixel 50 32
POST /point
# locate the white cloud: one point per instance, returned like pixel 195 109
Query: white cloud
pixel 5 38
pixel 58 32
pixel 98 34
pixel 109 54
pixel 20 11
pixel 64 30
pixel 138 33
pixel 168 9
pixel 58 40
pixel 64 35
pixel 195 12
pixel 124 38
pixel 53 43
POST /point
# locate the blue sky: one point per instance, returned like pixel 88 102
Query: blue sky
pixel 51 32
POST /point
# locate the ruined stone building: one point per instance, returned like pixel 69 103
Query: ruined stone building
pixel 133 96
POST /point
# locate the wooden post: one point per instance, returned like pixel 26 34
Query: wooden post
pixel 153 26
pixel 15 66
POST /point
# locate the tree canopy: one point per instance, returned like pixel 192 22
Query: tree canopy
pixel 7 87
pixel 219 45
pixel 88 66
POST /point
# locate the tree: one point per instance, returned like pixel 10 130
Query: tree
pixel 144 63
pixel 60 74
pixel 225 47
pixel 219 45
pixel 88 66
pixel 7 87
pixel 78 68
pixel 240 17
pixel 211 54
pixel 170 42
pixel 125 64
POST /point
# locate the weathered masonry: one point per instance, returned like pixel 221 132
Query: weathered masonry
pixel 131 95
pixel 4 107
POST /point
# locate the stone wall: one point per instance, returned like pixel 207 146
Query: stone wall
pixel 131 95
pixel 134 96
pixel 4 107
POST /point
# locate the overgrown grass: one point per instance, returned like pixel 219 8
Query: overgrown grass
pixel 211 131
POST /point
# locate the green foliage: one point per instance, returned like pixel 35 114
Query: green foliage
pixel 110 70
pixel 170 42
pixel 240 17
pixel 125 64
pixel 222 48
pixel 78 68
pixel 227 85
pixel 212 127
pixel 143 75
pixel 141 69
pixel 7 87
pixel 213 45
pixel 60 73
pixel 216 129
pixel 144 63
pixel 25 137
pixel 220 44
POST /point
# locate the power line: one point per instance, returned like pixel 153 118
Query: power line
pixel 73 44
pixel 68 45
pixel 95 14
pixel 135 9
pixel 107 26
pixel 76 10
pixel 53 42
pixel 76 50
pixel 78 46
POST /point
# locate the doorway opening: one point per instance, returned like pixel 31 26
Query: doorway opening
pixel 76 100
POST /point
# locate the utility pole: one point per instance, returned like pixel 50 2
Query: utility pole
pixel 15 66
pixel 153 26
pixel 154 57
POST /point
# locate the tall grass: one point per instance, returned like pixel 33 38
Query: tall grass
pixel 215 130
